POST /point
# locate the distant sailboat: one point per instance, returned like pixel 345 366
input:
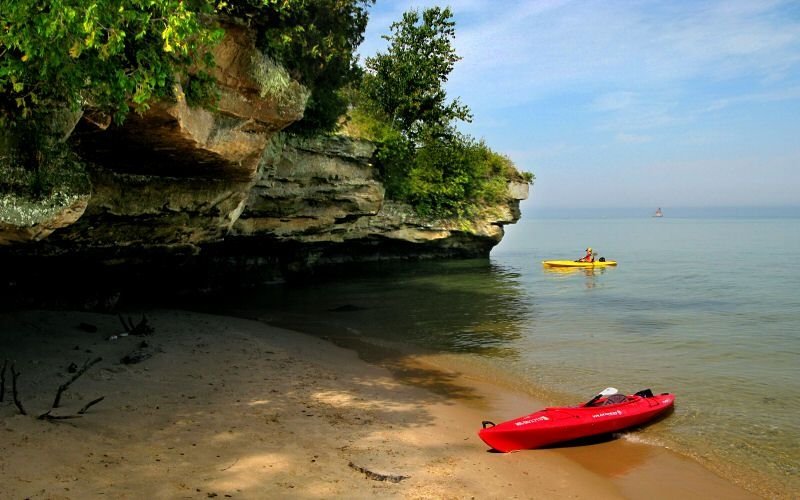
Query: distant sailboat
pixel 658 213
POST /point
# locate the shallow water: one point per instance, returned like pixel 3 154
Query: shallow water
pixel 707 308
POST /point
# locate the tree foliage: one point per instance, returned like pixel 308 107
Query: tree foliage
pixel 316 42
pixel 403 104
pixel 407 82
pixel 119 55
pixel 446 174
pixel 112 54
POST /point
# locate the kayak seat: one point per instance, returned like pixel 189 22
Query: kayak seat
pixel 615 399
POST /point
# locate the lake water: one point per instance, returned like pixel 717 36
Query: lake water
pixel 707 307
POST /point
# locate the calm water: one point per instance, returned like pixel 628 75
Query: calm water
pixel 707 308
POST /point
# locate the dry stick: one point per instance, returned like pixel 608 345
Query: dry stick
pixel 3 381
pixel 377 476
pixel 15 394
pixel 63 387
pixel 90 404
pixel 47 416
pixel 231 465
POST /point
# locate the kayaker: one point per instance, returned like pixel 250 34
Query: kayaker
pixel 589 257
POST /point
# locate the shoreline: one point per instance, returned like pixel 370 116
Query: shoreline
pixel 234 407
pixel 632 465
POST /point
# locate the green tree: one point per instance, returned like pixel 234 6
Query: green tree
pixel 118 55
pixel 402 103
pixel 407 82
pixel 316 42
pixel 110 54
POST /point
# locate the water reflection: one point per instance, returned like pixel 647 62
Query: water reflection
pixel 458 306
pixel 589 273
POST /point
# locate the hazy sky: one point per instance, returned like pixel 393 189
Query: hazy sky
pixel 631 103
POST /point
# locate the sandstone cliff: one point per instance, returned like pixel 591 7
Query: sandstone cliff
pixel 223 191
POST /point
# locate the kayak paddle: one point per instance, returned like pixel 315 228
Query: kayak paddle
pixel 608 391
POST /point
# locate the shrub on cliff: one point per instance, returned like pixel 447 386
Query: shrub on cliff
pixel 316 42
pixel 58 57
pixel 28 196
pixel 112 54
pixel 62 55
pixel 450 174
pixel 443 173
pixel 119 55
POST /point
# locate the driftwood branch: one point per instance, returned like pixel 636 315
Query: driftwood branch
pixel 47 416
pixel 57 401
pixel 14 376
pixel 90 404
pixel 3 381
pixel 63 387
pixel 136 356
pixel 141 328
pixel 376 476
pixel 231 465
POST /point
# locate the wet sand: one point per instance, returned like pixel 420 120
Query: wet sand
pixel 234 408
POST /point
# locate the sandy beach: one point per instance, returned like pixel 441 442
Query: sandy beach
pixel 233 408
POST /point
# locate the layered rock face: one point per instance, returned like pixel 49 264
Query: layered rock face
pixel 321 199
pixel 222 193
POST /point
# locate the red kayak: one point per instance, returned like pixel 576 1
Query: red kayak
pixel 605 413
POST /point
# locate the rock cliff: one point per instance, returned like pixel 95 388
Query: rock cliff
pixel 221 195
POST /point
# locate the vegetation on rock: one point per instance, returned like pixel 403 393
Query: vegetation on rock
pixel 117 56
pixel 60 56
pixel 112 55
pixel 275 81
pixel 30 196
pixel 316 42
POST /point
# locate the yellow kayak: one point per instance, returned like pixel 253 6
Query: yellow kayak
pixel 572 263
